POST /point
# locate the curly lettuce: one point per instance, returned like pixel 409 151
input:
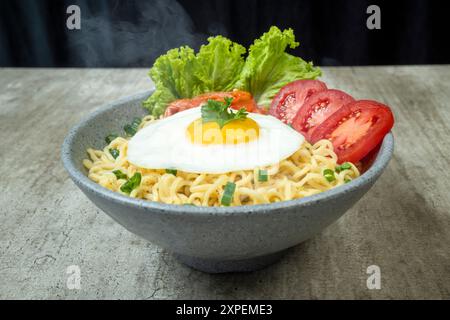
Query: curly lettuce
pixel 221 65
pixel 182 74
pixel 268 67
pixel 173 77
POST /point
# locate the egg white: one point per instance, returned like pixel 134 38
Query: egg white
pixel 164 145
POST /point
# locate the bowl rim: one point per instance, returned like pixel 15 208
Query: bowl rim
pixel 83 182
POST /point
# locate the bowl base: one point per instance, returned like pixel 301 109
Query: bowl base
pixel 223 266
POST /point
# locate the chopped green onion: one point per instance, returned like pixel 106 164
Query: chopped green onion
pixel 132 183
pixel 114 152
pixel 136 122
pixel 329 175
pixel 119 174
pixel 263 176
pixel 129 130
pixel 132 128
pixel 344 166
pixel 109 138
pixel 347 180
pixel 228 193
pixel 172 171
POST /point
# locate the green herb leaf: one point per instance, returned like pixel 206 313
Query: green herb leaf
pixel 132 183
pixel 119 174
pixel 172 171
pixel 329 175
pixel 263 175
pixel 344 166
pixel 109 138
pixel 220 112
pixel 132 128
pixel 114 152
pixel 228 193
pixel 347 180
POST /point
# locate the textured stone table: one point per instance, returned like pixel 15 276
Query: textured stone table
pixel 46 223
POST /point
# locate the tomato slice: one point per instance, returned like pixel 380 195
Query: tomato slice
pixel 241 99
pixel 291 97
pixel 355 129
pixel 317 108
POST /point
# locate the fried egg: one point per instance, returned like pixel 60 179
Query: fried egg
pixel 183 142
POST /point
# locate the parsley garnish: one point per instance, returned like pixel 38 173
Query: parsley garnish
pixel 216 111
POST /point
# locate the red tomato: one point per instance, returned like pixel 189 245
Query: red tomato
pixel 355 129
pixel 292 96
pixel 317 108
pixel 241 99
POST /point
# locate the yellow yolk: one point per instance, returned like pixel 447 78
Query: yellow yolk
pixel 234 132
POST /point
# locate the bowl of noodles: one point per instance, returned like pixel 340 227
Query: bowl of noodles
pixel 221 220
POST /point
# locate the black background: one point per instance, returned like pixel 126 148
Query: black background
pixel 133 33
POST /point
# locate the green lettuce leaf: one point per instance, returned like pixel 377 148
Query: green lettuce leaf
pixel 173 77
pixel 219 64
pixel 182 74
pixel 268 67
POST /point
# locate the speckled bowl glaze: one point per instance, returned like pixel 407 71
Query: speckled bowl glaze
pixel 224 239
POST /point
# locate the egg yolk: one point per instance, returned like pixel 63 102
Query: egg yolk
pixel 234 132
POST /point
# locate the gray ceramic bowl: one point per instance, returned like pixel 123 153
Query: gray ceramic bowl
pixel 221 239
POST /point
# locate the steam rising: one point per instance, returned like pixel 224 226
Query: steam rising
pixel 145 30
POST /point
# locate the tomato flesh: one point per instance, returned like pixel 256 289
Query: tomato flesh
pixel 291 97
pixel 241 99
pixel 355 129
pixel 317 109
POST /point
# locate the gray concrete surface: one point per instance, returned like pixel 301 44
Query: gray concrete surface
pixel 46 224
